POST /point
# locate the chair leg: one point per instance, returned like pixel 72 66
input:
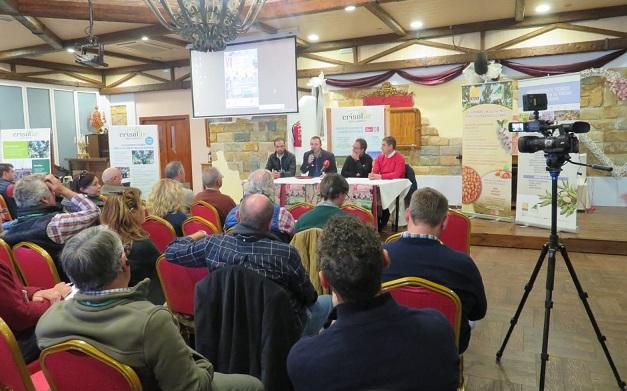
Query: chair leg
pixel 462 382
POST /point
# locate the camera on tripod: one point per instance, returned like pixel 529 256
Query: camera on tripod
pixel 562 143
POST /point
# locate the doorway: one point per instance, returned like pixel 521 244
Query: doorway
pixel 174 142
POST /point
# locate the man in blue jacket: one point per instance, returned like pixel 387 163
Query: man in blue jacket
pixel 317 161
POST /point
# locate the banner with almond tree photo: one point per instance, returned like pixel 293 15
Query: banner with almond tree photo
pixel 487 150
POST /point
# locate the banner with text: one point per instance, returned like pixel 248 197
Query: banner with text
pixel 135 151
pixel 350 123
pixel 487 149
pixel 28 150
pixel 533 198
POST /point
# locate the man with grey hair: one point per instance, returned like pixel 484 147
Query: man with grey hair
pixel 261 182
pixel 120 321
pixel 111 181
pixel 175 170
pixel 252 246
pixel 212 182
pixel 41 221
pixel 419 253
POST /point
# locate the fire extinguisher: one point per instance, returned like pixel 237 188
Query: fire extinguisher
pixel 297 135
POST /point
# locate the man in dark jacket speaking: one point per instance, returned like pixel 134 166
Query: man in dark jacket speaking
pixel 317 161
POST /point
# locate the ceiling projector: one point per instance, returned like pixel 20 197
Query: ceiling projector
pixel 91 54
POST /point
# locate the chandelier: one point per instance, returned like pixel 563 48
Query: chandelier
pixel 207 24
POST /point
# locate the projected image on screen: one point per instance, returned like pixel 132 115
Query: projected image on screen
pixel 251 78
pixel 241 79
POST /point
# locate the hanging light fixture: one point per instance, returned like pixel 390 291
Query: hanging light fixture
pixel 207 24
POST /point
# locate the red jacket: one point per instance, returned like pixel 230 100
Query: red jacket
pixel 16 310
pixel 390 167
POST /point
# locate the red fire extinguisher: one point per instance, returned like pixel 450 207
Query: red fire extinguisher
pixel 297 135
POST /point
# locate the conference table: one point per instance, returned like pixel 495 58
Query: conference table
pixel 362 192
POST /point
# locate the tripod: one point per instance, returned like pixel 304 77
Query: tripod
pixel 554 164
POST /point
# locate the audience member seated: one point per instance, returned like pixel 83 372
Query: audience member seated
pixel 111 181
pixel 261 182
pixel 124 214
pixel 212 182
pixel 390 164
pixel 314 160
pixel 175 171
pixel 282 163
pixel 7 186
pixel 41 221
pixel 21 306
pixel 359 163
pixel 375 344
pixel 88 184
pixel 419 253
pixel 333 190
pixel 119 321
pixel 166 201
pixel 253 247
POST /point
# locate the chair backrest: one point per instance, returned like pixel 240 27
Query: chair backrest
pixel 13 371
pixel 77 365
pixel 195 224
pixel 300 209
pixel 208 212
pixel 456 235
pixel 36 265
pixel 416 292
pixel 160 231
pixel 6 256
pixel 362 214
pixel 6 214
pixel 411 175
pixel 178 283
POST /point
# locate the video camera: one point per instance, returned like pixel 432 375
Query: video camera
pixel 563 143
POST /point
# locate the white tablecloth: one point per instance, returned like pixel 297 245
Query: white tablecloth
pixel 389 189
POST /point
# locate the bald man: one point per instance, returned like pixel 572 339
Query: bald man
pixel 253 247
pixel 111 181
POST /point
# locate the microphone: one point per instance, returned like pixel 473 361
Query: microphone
pixel 602 167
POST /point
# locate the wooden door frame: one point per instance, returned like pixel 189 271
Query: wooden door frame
pixel 189 127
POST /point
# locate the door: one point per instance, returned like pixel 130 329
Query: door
pixel 174 141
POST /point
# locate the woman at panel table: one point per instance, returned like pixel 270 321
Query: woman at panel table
pixel 359 163
pixel 166 201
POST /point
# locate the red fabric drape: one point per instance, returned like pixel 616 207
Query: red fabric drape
pixel 547 70
pixel 369 81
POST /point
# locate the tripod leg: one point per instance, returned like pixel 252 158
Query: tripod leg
pixel 584 300
pixel 548 305
pixel 523 300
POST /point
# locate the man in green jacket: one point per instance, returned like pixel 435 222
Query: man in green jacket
pixel 333 190
pixel 121 322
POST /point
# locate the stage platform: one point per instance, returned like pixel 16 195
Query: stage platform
pixel 601 231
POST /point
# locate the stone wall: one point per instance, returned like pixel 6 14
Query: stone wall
pixel 608 120
pixel 247 142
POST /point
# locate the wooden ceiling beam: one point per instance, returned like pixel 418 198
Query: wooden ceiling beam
pixel 328 60
pixel 123 80
pixel 170 41
pixel 18 77
pixel 519 10
pixel 54 66
pixel 588 29
pixel 153 77
pixel 31 23
pixel 172 85
pixel 498 24
pixel 146 67
pixel 525 37
pixel 265 27
pixel 386 18
pixel 108 38
pixel 95 83
pixel 128 57
pixel 503 54
pixel 391 50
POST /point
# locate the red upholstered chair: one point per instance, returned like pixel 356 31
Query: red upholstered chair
pixel 14 374
pixel 36 265
pixel 195 224
pixel 300 209
pixel 160 231
pixel 417 292
pixel 178 283
pixel 6 215
pixel 208 212
pixel 76 365
pixel 6 256
pixel 456 235
pixel 361 213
